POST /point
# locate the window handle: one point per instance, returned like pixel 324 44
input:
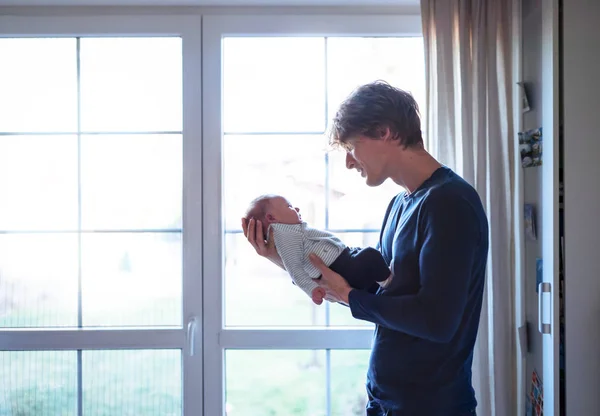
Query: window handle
pixel 545 307
pixel 191 335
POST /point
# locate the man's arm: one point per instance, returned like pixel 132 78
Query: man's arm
pixel 451 235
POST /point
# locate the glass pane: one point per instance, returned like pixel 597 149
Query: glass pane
pixel 348 376
pixel 353 204
pixel 38 85
pixel 292 166
pixel 340 315
pixel 274 84
pixel 38 280
pixel 131 279
pixel 352 62
pixel 38 182
pixel 135 382
pixel 40 383
pixel 131 84
pixel 281 383
pixel 131 182
pixel 258 293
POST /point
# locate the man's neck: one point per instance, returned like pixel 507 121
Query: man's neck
pixel 415 168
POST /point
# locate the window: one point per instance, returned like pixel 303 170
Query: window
pixel 95 269
pixel 129 149
pixel 265 132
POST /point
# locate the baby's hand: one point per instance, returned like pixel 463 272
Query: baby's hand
pixel 318 295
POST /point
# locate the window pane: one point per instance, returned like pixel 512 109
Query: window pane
pixel 38 383
pixel 38 280
pixel 131 84
pixel 132 383
pixel 258 293
pixel 353 204
pixel 348 377
pixel 274 84
pixel 38 85
pixel 340 315
pixel 282 383
pixel 293 166
pixel 131 182
pixel 352 62
pixel 131 279
pixel 38 182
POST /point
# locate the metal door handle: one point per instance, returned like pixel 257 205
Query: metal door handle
pixel 544 288
pixel 191 335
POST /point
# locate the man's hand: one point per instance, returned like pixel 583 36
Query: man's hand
pixel 253 231
pixel 336 287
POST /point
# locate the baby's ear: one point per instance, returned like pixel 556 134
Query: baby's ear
pixel 270 218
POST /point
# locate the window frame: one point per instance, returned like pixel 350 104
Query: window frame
pixel 189 28
pixel 217 337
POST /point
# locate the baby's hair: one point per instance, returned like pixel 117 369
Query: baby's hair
pixel 258 210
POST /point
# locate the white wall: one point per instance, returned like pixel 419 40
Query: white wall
pixel 204 10
pixel 581 70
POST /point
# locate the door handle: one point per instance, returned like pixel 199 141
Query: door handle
pixel 191 335
pixel 544 304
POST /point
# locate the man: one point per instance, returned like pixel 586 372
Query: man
pixel 435 238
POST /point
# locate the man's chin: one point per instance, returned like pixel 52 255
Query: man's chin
pixel 372 183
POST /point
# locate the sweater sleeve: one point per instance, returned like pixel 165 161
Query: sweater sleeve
pixel 450 235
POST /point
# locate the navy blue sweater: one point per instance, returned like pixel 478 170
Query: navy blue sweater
pixel 436 243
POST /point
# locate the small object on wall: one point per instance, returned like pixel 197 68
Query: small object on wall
pixel 539 274
pixel 524 99
pixel 530 226
pixel 523 333
pixel 530 147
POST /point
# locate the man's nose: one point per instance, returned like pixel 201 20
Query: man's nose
pixel 350 161
pixel 297 209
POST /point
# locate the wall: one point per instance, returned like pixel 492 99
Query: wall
pixel 581 66
pixel 204 10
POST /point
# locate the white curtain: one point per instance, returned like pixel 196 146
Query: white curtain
pixel 469 127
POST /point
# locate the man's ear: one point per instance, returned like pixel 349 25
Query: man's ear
pixel 270 217
pixel 385 134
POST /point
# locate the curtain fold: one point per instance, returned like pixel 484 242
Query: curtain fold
pixel 469 127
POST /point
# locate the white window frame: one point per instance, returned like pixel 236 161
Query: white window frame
pixel 189 29
pixel 218 338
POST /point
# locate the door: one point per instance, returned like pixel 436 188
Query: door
pixel 271 85
pixel 100 216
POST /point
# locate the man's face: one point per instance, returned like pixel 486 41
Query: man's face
pixel 369 158
pixel 282 211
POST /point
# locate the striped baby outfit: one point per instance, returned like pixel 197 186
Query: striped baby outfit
pixel 294 243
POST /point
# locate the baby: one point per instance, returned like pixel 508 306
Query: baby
pixel 295 241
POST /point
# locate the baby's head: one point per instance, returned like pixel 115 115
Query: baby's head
pixel 273 209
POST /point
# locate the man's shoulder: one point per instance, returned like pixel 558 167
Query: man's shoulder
pixel 453 190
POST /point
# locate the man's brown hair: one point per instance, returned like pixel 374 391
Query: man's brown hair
pixel 374 108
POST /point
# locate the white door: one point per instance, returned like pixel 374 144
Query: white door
pixel 271 84
pixel 100 216
pixel 548 290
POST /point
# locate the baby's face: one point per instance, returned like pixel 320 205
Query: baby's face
pixel 283 212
